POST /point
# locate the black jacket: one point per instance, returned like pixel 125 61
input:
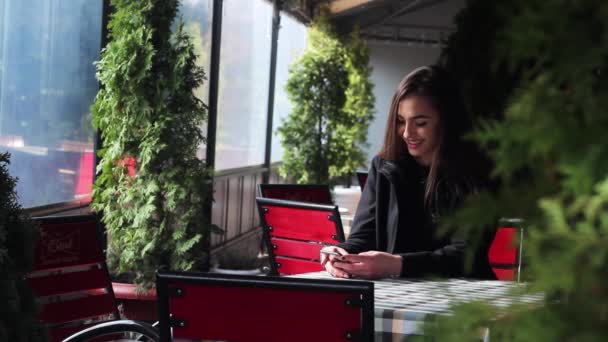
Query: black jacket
pixel 390 208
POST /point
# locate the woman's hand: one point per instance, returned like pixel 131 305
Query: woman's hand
pixel 328 260
pixel 370 265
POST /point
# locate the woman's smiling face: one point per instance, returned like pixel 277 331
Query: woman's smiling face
pixel 418 125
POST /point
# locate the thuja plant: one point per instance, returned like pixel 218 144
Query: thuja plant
pixel 17 238
pixel 332 99
pixel 146 111
pixel 316 88
pixel 358 111
pixel 551 156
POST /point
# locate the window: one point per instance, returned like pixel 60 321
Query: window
pixel 292 43
pixel 47 83
pixel 243 83
pixel 197 16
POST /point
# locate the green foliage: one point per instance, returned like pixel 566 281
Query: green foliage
pixel 329 87
pixel 551 157
pixel 358 109
pixel 17 236
pixel 316 87
pixel 146 109
pixel 567 260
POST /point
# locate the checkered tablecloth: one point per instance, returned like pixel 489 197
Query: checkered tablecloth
pixel 402 306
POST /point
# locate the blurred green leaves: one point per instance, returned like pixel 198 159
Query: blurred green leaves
pixel 546 135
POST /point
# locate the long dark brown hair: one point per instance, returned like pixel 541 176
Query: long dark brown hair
pixel 436 84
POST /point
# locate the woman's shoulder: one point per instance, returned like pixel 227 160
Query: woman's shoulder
pixel 405 161
pixel 452 191
pixel 378 163
pixel 377 160
pixel 381 165
pixel 471 168
pixel 470 182
pixel 404 165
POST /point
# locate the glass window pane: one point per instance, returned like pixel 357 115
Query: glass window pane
pixel 292 43
pixel 47 83
pixel 243 83
pixel 197 16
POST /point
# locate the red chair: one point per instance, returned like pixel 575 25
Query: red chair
pixel 295 232
pixel 362 178
pixel 505 253
pixel 202 306
pixel 70 277
pixel 310 193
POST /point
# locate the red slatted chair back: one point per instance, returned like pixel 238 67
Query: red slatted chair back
pixel 295 232
pixel 310 193
pixel 70 278
pixel 201 306
pixel 362 178
pixel 506 250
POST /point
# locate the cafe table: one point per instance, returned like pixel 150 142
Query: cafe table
pixel 402 306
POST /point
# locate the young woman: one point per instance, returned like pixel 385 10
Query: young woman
pixel 419 175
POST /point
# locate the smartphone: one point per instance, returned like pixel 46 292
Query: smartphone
pixel 331 253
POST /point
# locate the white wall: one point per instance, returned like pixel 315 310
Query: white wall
pixel 391 62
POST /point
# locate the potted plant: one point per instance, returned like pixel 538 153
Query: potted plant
pixel 359 111
pixel 332 100
pixel 147 112
pixel 358 108
pixel 17 237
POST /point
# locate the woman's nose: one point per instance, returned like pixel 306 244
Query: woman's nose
pixel 407 132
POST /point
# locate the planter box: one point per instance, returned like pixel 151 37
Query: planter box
pixel 347 197
pixel 254 271
pixel 135 305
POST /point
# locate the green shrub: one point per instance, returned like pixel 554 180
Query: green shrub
pixel 146 109
pixel 324 135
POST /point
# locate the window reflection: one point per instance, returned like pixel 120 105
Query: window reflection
pixel 291 44
pixel 243 83
pixel 197 16
pixel 47 83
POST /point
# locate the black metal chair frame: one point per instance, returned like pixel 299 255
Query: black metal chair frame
pixel 296 187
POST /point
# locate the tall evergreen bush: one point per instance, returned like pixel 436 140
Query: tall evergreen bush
pixel 17 237
pixel 358 110
pixel 316 87
pixel 324 135
pixel 551 156
pixel 146 109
